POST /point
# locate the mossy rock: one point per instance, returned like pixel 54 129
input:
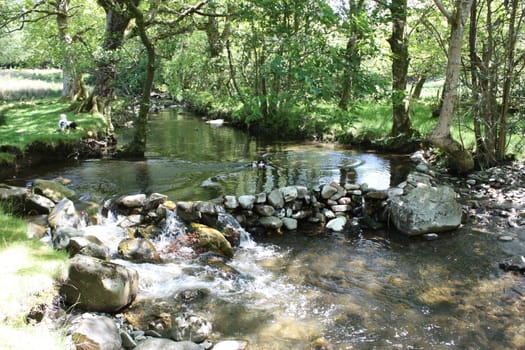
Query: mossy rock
pixel 53 190
pixel 210 239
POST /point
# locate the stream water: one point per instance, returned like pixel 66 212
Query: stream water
pixel 378 290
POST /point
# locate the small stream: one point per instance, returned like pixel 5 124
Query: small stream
pixel 378 290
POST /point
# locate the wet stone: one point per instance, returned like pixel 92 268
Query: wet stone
pixel 328 191
pixel 230 202
pixel 431 236
pixel 271 222
pixel 289 223
pixel 246 201
pixel 337 224
pixel 275 199
pixel 265 210
pixel 289 193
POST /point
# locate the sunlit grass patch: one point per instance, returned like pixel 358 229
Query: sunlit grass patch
pixel 29 83
pixel 28 277
pixel 31 337
pixel 28 122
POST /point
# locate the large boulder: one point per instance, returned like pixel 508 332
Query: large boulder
pixel 91 332
pixel 138 250
pixel 38 204
pixel 426 209
pixel 88 245
pixel 97 285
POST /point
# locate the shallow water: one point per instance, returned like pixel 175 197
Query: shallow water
pixel 379 290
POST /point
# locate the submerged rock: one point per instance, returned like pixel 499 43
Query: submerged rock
pixel 166 344
pixel 189 327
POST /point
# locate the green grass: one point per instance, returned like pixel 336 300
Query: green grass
pixel 28 277
pixel 24 84
pixel 24 123
pixel 28 114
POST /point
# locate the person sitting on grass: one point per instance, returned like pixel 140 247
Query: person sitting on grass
pixel 64 124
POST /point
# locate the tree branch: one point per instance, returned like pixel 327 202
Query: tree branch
pixel 444 10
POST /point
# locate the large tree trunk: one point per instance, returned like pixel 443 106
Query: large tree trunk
pixel 399 45
pixel 460 160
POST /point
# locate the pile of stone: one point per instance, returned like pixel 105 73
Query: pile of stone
pixel 285 208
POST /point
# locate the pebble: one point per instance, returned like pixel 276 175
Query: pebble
pixel 505 238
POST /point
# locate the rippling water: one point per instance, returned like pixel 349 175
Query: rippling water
pixel 379 290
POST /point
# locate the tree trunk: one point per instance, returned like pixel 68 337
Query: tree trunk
pixel 352 57
pixel 460 160
pixel 138 145
pixel 117 21
pixel 72 83
pixel 481 150
pixel 399 45
pixel 421 80
pixel 507 80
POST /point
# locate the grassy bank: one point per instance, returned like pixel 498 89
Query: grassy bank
pixel 26 122
pixel 28 275
pixel 30 107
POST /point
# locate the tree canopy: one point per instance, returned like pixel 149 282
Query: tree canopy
pixel 293 67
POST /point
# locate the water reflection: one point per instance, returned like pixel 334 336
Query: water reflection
pixel 188 159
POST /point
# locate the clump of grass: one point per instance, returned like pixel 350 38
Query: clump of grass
pixel 28 276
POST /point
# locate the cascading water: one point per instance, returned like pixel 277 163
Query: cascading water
pixel 356 289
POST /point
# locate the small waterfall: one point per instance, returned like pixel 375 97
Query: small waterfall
pixel 245 239
pixel 174 226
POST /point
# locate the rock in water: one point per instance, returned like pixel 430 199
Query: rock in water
pixel 426 209
pixel 98 285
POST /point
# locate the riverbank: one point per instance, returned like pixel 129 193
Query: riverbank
pixel 30 135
